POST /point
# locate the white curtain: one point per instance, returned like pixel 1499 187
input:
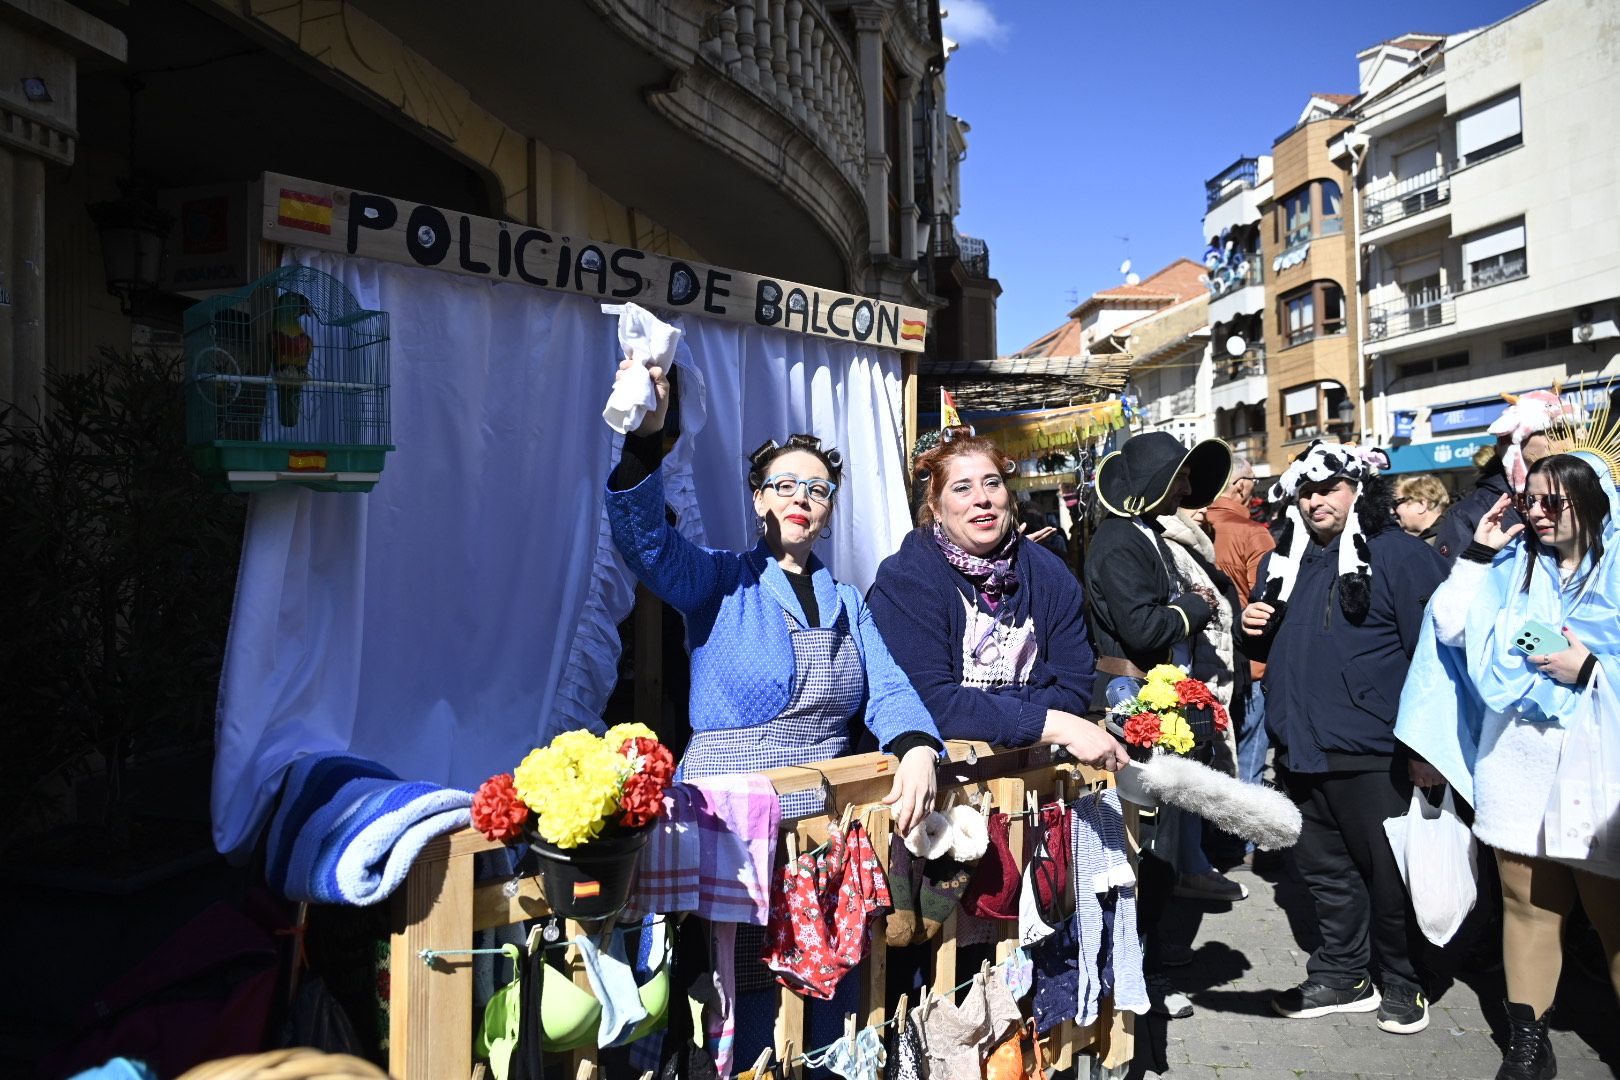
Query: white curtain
pixel 467 608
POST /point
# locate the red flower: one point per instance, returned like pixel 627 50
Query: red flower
pixel 1142 729
pixel 1194 692
pixel 497 812
pixel 656 760
pixel 642 801
pixel 1222 720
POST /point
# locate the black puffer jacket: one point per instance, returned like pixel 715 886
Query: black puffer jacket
pixel 1457 527
pixel 1332 685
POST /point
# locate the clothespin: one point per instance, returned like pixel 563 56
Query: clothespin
pixel 793 845
pixel 587 1071
pixel 790 1064
pixel 1032 806
pixel 847 816
pixel 762 1063
pixel 984 970
pixel 849 1030
pixel 900 1009
pixel 986 804
pixel 924 999
pixel 648 1075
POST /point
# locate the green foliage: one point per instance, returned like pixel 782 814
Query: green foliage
pixel 118 574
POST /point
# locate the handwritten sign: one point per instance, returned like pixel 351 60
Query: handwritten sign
pixel 1030 435
pixel 329 218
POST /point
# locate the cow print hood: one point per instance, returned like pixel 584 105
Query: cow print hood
pixel 1324 461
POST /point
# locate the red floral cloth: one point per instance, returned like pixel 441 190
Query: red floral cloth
pixel 820 909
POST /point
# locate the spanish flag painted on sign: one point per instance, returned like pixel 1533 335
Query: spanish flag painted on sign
pixel 301 210
pixel 948 416
pixel 912 329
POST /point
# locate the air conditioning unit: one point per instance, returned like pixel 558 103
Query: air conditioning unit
pixel 1595 322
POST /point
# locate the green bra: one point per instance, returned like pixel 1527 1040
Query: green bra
pixel 569 1014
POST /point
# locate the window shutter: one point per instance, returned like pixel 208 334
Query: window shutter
pixel 1487 126
pixel 1299 401
pixel 1498 241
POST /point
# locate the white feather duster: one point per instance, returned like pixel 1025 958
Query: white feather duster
pixel 1253 811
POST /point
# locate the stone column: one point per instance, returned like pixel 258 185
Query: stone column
pixel 869 55
pixel 906 166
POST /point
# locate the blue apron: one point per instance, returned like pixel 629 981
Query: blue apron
pixel 829 688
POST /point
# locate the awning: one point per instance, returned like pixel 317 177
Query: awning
pixel 1436 456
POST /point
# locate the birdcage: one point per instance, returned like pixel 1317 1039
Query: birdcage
pixel 287 383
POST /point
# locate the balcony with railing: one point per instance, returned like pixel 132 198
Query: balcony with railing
pixel 1241 175
pixel 1496 270
pixel 1232 368
pixel 1251 444
pixel 1237 271
pixel 975 255
pixel 1422 311
pixel 1391 202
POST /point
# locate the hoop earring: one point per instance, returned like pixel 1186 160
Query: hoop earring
pixel 825 533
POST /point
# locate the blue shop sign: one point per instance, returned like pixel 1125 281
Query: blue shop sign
pixel 1465 416
pixel 1433 456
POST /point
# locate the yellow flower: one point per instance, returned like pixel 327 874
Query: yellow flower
pixel 571 785
pixel 619 732
pixel 1158 695
pixel 1174 733
pixel 1166 674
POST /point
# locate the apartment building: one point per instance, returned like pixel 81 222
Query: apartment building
pixel 1236 280
pixel 1310 322
pixel 1487 171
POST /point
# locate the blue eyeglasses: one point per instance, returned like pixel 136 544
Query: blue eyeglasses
pixel 787 485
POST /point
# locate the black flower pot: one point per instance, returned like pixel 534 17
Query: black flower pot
pixel 591 881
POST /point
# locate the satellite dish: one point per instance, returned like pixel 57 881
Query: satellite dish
pixel 1235 345
pixel 1125 267
pixel 1133 279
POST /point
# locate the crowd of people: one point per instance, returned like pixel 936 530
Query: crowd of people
pixel 1305 630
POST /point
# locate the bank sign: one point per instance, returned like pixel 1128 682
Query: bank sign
pixel 315 215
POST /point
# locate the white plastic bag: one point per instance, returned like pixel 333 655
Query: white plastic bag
pixel 1438 860
pixel 1580 822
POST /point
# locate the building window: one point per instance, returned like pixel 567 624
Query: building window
pixel 1303 408
pixel 1431 364
pixel 1494 255
pixel 1316 310
pixel 1332 207
pixel 1489 129
pixel 1297 217
pixel 1551 339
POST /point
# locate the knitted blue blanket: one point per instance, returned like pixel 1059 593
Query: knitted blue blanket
pixel 347 829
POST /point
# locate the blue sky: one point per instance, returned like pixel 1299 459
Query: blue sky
pixel 1094 120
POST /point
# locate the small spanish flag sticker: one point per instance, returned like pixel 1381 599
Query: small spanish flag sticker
pixel 301 210
pixel 587 890
pixel 306 460
pixel 912 329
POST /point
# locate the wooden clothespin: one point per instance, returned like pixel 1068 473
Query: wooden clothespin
pixel 793 844
pixel 762 1063
pixel 987 803
pixel 789 1065
pixel 587 1071
pixel 849 1030
pixel 900 1010
pixel 648 1075
pixel 1032 806
pixel 847 816
pixel 924 1000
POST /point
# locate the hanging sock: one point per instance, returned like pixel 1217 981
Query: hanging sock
pixel 905 882
pixel 614 984
pixel 943 883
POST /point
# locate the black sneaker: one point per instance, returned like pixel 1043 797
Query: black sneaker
pixel 1311 998
pixel 1404 1011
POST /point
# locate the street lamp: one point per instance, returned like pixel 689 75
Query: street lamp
pixel 133 230
pixel 1347 413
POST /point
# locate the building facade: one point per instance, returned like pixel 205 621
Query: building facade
pixel 806 139
pixel 1233 223
pixel 1310 322
pixel 1488 184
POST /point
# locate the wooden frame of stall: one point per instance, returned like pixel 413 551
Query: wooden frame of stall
pixel 440 906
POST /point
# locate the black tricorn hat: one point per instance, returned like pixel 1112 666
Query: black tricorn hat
pixel 1136 478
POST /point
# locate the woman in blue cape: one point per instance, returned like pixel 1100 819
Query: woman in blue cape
pixel 1494 722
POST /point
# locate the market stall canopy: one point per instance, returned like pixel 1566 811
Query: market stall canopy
pixel 1025 382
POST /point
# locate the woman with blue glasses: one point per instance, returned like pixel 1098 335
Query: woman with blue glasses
pixel 783 656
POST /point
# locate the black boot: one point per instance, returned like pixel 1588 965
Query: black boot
pixel 1529 1055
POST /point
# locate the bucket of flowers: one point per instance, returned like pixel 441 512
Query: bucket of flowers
pixel 585 805
pixel 1172 713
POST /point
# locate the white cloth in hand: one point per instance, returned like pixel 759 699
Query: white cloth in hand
pixel 650 342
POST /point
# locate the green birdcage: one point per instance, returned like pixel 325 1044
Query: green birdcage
pixel 287 383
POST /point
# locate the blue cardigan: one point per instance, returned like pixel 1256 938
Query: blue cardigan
pixel 742 655
pixel 918 602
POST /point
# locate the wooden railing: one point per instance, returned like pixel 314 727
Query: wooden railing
pixel 440 906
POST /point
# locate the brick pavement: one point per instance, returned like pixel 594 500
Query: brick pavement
pixel 1246 951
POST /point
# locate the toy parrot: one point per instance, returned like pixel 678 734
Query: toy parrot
pixel 289 352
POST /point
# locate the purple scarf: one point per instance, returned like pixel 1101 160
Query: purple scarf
pixel 994 576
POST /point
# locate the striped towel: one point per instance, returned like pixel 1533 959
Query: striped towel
pixel 347 829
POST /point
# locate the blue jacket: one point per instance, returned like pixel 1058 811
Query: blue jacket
pixel 920 603
pixel 742 656
pixel 1333 687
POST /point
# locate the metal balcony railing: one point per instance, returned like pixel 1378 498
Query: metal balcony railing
pixel 1251 444
pixel 1508 268
pixel 1433 308
pixel 975 255
pixel 1240 176
pixel 1231 369
pixel 1236 272
pixel 1388 203
pixel 793 56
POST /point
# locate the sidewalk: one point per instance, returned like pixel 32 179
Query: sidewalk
pixel 1245 952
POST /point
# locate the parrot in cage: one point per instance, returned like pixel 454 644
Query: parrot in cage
pixel 289 353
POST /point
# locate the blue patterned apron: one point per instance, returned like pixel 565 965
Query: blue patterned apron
pixel 829 687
